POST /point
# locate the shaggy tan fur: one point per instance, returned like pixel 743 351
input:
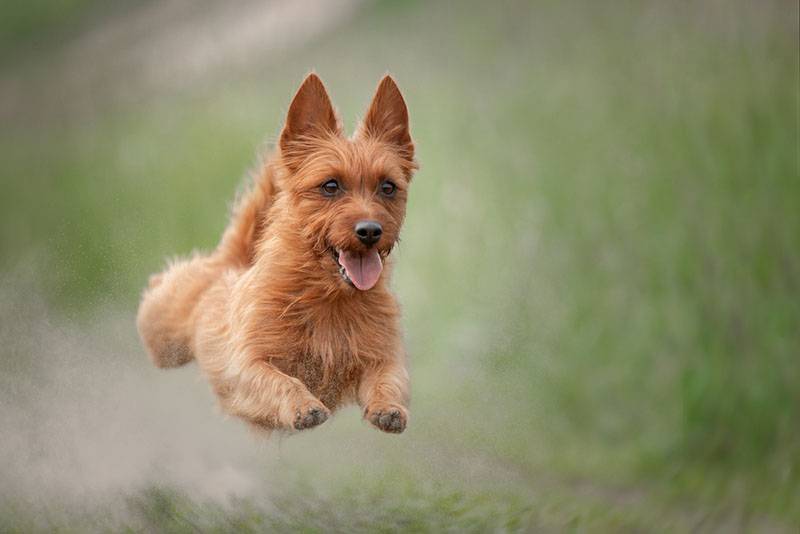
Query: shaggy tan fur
pixel 284 337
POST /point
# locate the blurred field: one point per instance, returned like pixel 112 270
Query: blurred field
pixel 600 270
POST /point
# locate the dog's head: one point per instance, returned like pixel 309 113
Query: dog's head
pixel 347 195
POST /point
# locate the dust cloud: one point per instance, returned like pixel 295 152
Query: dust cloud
pixel 88 425
pixel 83 413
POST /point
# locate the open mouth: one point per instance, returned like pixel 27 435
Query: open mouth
pixel 360 269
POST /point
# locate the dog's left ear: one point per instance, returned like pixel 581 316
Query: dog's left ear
pixel 387 118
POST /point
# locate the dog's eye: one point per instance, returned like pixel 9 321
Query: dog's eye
pixel 330 188
pixel 388 188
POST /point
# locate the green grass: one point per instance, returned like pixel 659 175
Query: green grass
pixel 610 295
pixel 30 26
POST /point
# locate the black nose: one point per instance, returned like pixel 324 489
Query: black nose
pixel 369 232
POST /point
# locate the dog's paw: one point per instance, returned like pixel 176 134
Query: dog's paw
pixel 389 418
pixel 310 416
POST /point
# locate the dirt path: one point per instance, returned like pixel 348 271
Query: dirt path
pixel 91 419
pixel 159 46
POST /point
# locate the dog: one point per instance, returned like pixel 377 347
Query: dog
pixel 291 316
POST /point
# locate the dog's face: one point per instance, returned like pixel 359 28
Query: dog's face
pixel 348 196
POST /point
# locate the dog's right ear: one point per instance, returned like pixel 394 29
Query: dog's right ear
pixel 311 115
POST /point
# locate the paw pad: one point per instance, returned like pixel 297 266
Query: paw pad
pixel 310 418
pixel 391 420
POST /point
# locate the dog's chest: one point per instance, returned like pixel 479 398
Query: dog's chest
pixel 328 356
pixel 333 381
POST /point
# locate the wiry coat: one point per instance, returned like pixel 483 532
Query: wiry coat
pixel 282 336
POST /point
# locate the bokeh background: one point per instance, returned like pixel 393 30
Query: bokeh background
pixel 600 270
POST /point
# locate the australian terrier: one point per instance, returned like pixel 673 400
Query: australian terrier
pixel 291 316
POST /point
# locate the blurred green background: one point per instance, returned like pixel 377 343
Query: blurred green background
pixel 603 326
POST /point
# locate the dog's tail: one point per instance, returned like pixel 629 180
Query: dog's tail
pixel 168 310
pixel 248 220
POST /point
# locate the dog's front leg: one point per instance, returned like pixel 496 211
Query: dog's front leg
pixel 267 397
pixel 384 394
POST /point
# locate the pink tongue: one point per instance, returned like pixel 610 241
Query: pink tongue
pixel 363 269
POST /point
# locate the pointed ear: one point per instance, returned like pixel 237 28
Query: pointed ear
pixel 387 118
pixel 310 114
